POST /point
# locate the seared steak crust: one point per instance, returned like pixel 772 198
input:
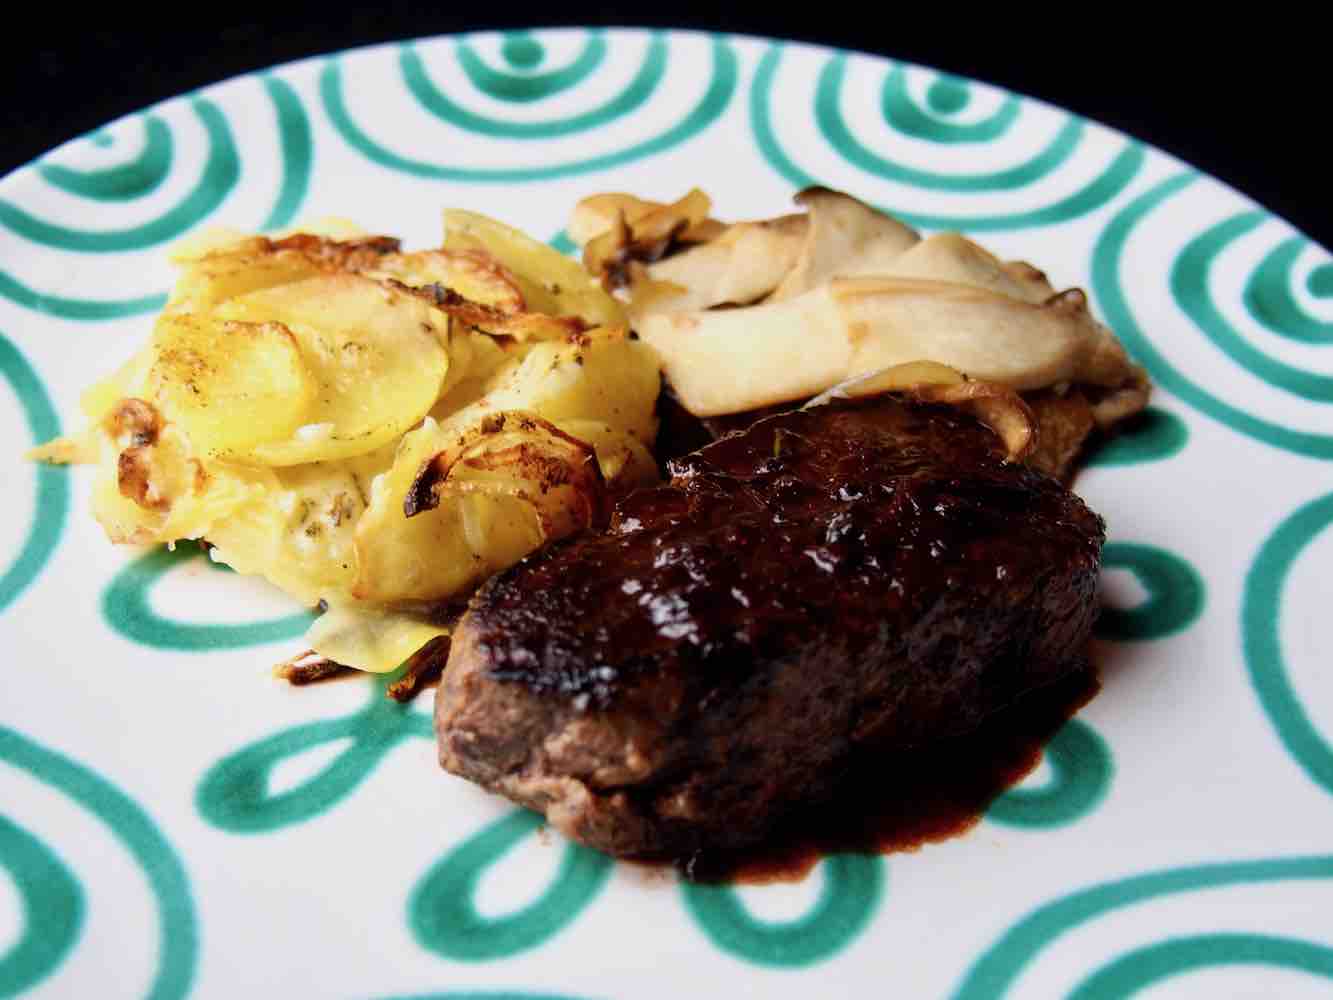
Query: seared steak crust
pixel 843 580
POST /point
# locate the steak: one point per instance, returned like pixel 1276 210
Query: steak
pixel 853 579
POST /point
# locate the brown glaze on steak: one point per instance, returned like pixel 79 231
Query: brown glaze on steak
pixel 828 580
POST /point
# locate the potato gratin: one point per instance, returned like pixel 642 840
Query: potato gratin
pixel 371 429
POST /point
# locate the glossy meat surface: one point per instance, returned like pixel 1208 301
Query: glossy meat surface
pixel 827 583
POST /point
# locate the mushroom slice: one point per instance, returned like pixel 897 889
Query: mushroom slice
pixel 730 360
pixel 990 336
pixel 596 214
pixel 727 361
pixel 742 265
pixel 649 237
pixel 846 238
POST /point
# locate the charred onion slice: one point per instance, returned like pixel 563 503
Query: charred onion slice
pixel 522 326
pixel 519 455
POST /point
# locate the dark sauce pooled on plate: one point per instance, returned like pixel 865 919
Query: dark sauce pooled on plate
pixel 910 798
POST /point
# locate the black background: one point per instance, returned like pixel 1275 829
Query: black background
pixel 1243 99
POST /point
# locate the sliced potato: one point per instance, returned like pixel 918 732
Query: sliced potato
pixel 475 275
pixel 550 281
pixel 373 639
pixel 626 461
pixel 218 277
pixel 207 373
pixel 376 355
pixel 160 492
pixel 602 373
pixel 302 536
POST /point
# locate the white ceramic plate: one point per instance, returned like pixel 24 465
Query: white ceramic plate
pixel 173 822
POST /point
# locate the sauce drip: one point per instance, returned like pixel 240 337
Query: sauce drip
pixel 907 799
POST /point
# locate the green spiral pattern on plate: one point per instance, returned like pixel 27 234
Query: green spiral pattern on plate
pixel 828 115
pixel 53 904
pixel 127 609
pixel 1081 771
pixel 443 915
pixel 234 793
pixel 140 176
pixel 1261 622
pixel 222 170
pixel 1149 436
pixel 947 96
pixel 64 307
pixel 999 967
pixel 438 103
pixel 1269 299
pixel 1268 291
pixel 524 52
pixel 1175 594
pixel 1151 965
pixel 721 87
pixel 178 932
pixel 1112 180
pixel 562 242
pixel 143 174
pixel 51 504
pixel 298 150
pixel 1107 259
pixel 852 890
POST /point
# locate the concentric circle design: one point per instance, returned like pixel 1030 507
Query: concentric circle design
pixel 1261 620
pixel 522 157
pixel 645 82
pixel 56 915
pixel 51 504
pixel 443 913
pixel 52 902
pixel 1175 594
pixel 1081 772
pixel 222 169
pixel 1245 383
pixel 1268 298
pixel 127 184
pixel 844 159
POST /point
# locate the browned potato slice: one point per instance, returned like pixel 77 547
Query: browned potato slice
pixel 229 385
pixel 550 281
pixel 375 354
pixel 475 275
